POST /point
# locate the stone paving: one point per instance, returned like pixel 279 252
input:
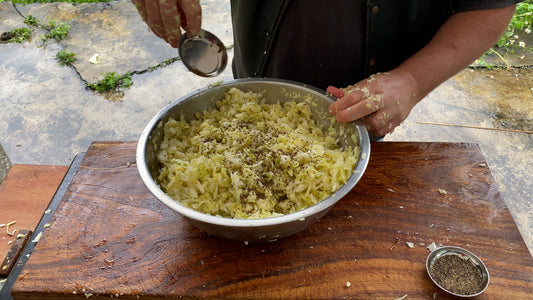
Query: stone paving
pixel 48 115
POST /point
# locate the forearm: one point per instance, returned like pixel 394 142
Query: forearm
pixel 462 39
pixel 385 100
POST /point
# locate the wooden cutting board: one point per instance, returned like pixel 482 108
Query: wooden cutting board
pixel 110 238
pixel 24 196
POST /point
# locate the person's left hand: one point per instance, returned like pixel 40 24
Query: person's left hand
pixel 381 101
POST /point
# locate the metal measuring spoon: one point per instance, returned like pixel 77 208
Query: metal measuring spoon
pixel 204 54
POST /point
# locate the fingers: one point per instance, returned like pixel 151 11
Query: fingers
pixel 153 18
pixel 355 104
pixel 170 20
pixel 141 8
pixel 336 92
pixel 192 16
pixel 347 98
pixel 381 102
pixel 165 17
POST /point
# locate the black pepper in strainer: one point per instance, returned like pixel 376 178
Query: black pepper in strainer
pixel 457 275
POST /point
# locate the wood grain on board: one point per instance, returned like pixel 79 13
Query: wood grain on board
pixel 109 236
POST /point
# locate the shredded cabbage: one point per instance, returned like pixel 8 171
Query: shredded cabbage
pixel 247 159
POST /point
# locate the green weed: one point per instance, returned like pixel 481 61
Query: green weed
pixel 57 32
pixel 65 58
pixel 112 81
pixel 17 35
pixel 32 21
pixel 520 23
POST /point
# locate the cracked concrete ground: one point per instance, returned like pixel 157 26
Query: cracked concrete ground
pixel 48 115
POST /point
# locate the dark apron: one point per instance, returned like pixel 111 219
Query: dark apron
pixel 270 37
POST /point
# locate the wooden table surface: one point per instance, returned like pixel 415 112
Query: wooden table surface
pixel 109 237
pixel 24 196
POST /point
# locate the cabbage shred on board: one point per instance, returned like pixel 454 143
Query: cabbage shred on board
pixel 248 160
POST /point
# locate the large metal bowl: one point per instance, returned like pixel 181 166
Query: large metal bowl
pixel 253 230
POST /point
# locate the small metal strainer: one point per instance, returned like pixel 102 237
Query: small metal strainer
pixel 204 54
pixel 463 254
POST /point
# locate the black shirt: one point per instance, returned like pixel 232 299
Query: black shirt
pixel 335 42
pixel 320 41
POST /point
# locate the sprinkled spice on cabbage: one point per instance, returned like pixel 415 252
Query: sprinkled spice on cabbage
pixel 248 160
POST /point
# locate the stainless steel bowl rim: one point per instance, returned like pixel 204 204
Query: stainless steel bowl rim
pixel 246 223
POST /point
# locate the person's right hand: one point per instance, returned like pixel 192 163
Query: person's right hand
pixel 165 17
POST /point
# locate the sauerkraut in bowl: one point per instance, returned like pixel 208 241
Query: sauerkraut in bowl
pixel 249 159
pixel 251 154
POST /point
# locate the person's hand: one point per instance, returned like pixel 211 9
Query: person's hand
pixel 165 17
pixel 381 101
